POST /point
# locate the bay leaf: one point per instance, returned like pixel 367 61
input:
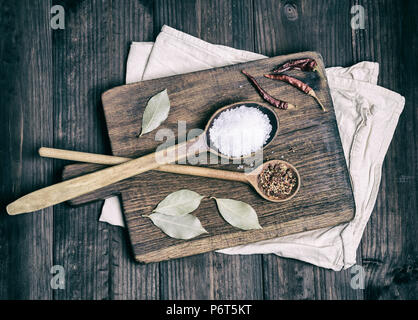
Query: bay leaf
pixel 179 203
pixel 179 227
pixel 238 214
pixel 156 112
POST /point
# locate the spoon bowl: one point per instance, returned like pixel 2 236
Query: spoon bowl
pixel 265 109
pixel 254 176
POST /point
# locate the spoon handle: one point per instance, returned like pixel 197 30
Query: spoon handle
pixel 204 172
pixel 79 186
pixel 171 168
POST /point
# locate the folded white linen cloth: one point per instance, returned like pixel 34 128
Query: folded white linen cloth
pixel 367 115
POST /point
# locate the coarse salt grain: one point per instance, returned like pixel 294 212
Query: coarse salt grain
pixel 240 131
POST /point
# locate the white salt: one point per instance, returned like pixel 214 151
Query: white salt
pixel 240 131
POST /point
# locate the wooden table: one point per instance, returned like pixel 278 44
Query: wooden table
pixel 51 81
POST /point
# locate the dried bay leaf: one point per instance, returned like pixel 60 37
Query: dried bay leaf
pixel 238 214
pixel 180 227
pixel 156 112
pixel 179 203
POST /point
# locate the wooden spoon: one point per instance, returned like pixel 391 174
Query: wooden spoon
pixel 76 187
pixel 250 178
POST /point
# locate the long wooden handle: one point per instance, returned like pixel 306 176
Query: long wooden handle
pixel 76 187
pixel 112 160
pixel 81 156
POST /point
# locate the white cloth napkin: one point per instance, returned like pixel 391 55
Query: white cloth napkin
pixel 367 115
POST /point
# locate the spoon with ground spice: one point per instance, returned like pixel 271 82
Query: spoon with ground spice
pixel 208 140
pixel 275 180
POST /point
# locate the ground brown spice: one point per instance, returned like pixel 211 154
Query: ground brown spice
pixel 278 181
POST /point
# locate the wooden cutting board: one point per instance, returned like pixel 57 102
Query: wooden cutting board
pixel 308 138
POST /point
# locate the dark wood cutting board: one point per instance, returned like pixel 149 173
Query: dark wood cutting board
pixel 308 138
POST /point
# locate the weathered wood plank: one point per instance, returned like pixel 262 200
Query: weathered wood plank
pixel 389 253
pixel 81 54
pixel 90 57
pixel 130 21
pixel 26 242
pixel 237 277
pixel 286 279
pixel 284 27
pixel 198 18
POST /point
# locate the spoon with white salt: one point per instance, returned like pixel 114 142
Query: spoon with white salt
pixel 79 186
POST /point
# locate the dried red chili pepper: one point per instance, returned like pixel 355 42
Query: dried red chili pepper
pixel 297 84
pixel 273 101
pixel 300 64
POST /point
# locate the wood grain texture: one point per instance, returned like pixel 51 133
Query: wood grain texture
pixel 388 248
pixel 187 16
pixel 288 26
pixel 26 243
pixel 90 57
pixel 78 52
pixel 131 21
